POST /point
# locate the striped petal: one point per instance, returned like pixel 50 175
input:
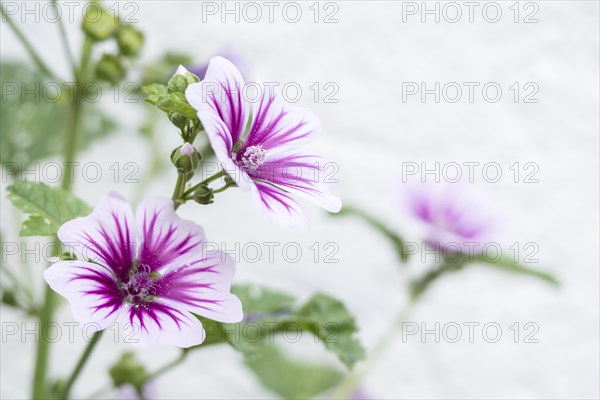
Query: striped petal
pixel 303 175
pixel 166 240
pixel 203 286
pixel 221 108
pixel 277 126
pixel 279 207
pixel 159 323
pixel 105 236
pixel 90 289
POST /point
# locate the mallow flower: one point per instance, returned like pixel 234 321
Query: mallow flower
pixel 262 148
pixel 451 216
pixel 150 272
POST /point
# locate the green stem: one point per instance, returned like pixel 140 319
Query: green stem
pixel 224 188
pixel 80 364
pixel 40 385
pixel 204 182
pixel 32 52
pixel 349 385
pixel 177 192
pixel 65 41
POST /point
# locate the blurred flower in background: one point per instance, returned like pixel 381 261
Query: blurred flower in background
pixel 451 216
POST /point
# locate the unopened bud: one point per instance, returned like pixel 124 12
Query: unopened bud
pixel 110 69
pixel 98 23
pixel 130 40
pixel 204 195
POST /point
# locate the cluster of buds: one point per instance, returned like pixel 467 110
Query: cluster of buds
pixel 99 25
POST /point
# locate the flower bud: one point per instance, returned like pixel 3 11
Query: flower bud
pixel 130 40
pixel 204 195
pixel 128 371
pixel 185 158
pixel 178 83
pixel 178 120
pixel 110 69
pixel 98 23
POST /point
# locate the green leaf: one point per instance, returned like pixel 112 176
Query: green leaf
pixel 289 378
pixel 33 120
pixel 394 238
pixel 329 320
pixel 175 101
pixel 509 265
pixel 169 100
pixel 268 312
pixel 154 92
pixel 48 207
pixel 323 316
pixel 258 300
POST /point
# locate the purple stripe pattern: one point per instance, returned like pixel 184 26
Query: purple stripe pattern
pixel 148 270
pixel 266 156
pixel 451 218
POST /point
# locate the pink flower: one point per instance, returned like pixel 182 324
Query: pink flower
pixel 268 159
pixel 451 216
pixel 149 271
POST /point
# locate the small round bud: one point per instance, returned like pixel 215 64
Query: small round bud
pixel 178 120
pixel 185 158
pixel 204 195
pixel 130 40
pixel 110 69
pixel 128 370
pixel 98 23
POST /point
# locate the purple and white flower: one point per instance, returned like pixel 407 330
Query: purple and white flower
pixel 265 159
pixel 451 217
pixel 149 271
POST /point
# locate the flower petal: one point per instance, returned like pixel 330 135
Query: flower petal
pixel 106 235
pixel 279 207
pixel 90 289
pixel 221 108
pixel 303 175
pixel 203 287
pixel 162 323
pixel 166 240
pixel 277 126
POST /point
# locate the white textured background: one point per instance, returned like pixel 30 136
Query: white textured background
pixel 370 132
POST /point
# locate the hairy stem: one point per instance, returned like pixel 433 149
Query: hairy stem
pixel 79 366
pixel 204 182
pixel 350 384
pixel 40 384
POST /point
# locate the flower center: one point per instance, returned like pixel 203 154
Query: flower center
pixel 253 157
pixel 141 286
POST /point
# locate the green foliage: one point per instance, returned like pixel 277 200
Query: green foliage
pixel 48 207
pixel 169 100
pixel 509 265
pixel 270 311
pixel 329 320
pixel 290 379
pixel 33 122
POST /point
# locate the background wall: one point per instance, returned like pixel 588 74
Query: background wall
pixel 369 53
